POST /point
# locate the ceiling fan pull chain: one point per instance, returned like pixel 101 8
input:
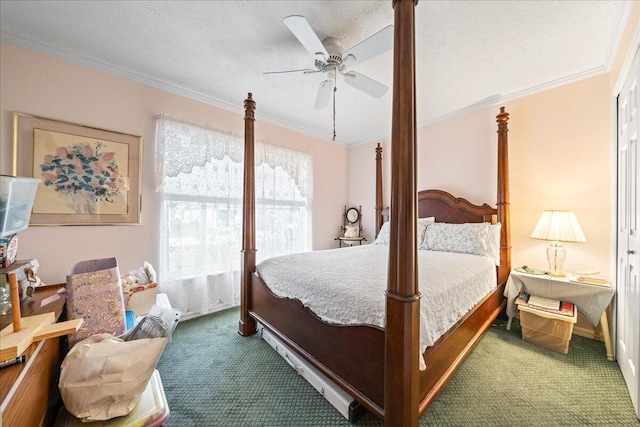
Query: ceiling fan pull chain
pixel 335 89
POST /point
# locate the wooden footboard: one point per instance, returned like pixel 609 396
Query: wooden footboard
pixel 446 355
pixel 352 356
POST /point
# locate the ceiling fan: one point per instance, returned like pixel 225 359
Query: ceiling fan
pixel 331 59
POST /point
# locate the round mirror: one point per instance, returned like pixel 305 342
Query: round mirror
pixel 353 215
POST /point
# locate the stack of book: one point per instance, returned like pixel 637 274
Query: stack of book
pixel 545 304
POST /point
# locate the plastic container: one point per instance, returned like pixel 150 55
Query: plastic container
pixel 16 200
pixel 549 330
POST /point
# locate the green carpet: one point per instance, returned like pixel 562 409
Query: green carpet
pixel 214 377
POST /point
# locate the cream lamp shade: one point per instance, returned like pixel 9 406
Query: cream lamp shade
pixel 558 226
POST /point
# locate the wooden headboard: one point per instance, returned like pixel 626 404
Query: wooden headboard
pixel 447 208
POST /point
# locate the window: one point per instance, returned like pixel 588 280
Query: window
pixel 200 174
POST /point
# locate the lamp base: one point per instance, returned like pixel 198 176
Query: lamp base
pixel 556 254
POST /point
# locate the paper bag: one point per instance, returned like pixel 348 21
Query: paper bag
pixel 102 377
pixel 95 294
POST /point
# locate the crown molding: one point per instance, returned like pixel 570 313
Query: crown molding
pixel 156 84
pixel 176 90
pixel 621 25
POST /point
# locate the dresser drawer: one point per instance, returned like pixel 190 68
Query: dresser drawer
pixel 26 401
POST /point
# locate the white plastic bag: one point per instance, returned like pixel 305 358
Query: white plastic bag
pixel 102 376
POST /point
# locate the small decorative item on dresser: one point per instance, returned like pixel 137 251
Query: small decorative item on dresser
pixel 140 289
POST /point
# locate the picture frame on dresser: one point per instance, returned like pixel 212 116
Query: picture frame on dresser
pixel 88 175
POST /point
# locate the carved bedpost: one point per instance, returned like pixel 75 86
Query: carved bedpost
pixel 503 195
pixel 247 325
pixel 402 330
pixel 379 202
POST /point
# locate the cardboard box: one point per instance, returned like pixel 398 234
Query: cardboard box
pixel 549 330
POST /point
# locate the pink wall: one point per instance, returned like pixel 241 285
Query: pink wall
pixel 41 85
pixel 561 157
pixel 456 155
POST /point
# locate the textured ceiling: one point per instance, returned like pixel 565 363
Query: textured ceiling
pixel 470 54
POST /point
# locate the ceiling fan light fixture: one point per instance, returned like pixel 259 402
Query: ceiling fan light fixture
pixel 331 58
pixel 323 95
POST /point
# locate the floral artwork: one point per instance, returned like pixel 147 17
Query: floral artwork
pixel 88 175
pixel 83 174
pixel 80 175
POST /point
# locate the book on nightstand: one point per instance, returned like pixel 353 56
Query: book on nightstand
pixel 546 304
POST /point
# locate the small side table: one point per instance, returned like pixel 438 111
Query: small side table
pixel 350 241
pixel 591 299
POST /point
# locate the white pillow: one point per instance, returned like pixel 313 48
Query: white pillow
pixel 422 228
pixel 384 235
pixel 468 238
pixel 493 243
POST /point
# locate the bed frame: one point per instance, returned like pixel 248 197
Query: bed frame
pixel 380 367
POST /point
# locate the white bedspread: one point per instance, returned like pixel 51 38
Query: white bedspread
pixel 346 286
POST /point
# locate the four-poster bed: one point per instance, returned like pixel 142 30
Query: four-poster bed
pixel 379 366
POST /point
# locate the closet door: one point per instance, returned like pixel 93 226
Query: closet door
pixel 628 239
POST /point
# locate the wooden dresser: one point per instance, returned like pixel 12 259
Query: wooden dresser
pixel 28 391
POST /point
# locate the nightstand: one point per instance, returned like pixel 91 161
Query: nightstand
pixel 591 299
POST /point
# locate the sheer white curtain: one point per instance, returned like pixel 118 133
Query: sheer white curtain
pixel 199 171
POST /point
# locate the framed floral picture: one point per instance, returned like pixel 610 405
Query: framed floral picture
pixel 88 176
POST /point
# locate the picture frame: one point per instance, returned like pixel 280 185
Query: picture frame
pixel 89 176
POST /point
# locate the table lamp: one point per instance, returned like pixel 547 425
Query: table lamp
pixel 558 226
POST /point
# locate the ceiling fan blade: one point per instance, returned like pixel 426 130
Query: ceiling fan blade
pixel 305 34
pixel 303 70
pixel 365 84
pixel 324 93
pixel 378 43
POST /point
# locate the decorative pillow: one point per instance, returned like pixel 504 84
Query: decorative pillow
pixel 469 238
pixel 351 231
pixel 493 243
pixel 383 235
pixel 422 228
